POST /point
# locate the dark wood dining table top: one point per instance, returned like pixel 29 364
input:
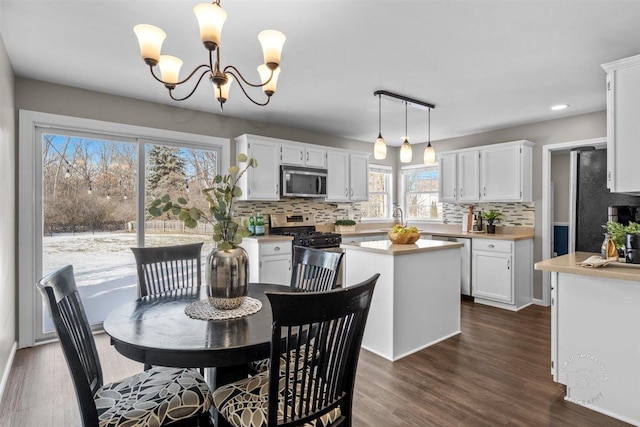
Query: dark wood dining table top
pixel 155 330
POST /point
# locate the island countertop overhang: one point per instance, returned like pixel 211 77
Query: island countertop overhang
pixel 570 264
pixel 387 247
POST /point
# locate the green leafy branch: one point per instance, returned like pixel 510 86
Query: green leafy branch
pixel 227 232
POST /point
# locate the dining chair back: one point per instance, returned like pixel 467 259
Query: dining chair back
pixel 159 396
pixel 317 390
pixel 166 268
pixel 314 269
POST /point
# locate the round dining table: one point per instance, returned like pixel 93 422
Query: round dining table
pixel 156 331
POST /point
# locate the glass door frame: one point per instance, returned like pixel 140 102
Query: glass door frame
pixel 30 218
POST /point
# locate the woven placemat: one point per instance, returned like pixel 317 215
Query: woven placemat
pixel 204 310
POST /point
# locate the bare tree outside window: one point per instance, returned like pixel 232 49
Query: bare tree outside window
pixel 380 195
pixel 421 193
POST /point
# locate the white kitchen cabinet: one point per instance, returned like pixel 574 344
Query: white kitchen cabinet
pixel 491 173
pixel 448 185
pixel 623 126
pixel 347 176
pixel 468 176
pixel 502 273
pixel 505 171
pixel 262 182
pixel 300 155
pixel 269 260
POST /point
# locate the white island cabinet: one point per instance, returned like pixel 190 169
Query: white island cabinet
pixel 269 259
pixel 416 301
pixel 595 343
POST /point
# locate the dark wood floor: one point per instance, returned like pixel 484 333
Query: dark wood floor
pixel 495 373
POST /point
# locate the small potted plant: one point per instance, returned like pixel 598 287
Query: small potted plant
pixel 492 216
pixel 616 232
pixel 343 225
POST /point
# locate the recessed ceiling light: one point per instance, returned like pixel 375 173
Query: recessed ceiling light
pixel 560 107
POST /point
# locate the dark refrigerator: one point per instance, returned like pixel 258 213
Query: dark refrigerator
pixel 593 199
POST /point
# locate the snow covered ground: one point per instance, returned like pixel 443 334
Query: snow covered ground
pixel 104 266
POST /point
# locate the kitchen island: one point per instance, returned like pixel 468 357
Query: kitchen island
pixel 416 302
pixel 595 342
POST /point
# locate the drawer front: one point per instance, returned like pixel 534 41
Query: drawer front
pixel 492 245
pixel 275 248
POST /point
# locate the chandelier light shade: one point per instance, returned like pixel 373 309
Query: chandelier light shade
pixel 380 146
pixel 211 18
pixel 406 152
pixel 429 151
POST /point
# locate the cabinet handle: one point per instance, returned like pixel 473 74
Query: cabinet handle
pixel 484 191
pixel 346 191
pixel 276 249
pixel 289 265
pixel 351 193
pixel 454 192
pixel 300 155
pixel 461 192
pixel 277 188
pixel 492 246
pixel 307 156
pixel 508 264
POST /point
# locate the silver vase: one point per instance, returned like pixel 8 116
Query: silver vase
pixel 227 274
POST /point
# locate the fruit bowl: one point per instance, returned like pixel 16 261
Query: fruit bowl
pixel 403 238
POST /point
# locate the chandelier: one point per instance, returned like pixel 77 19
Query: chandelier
pixel 211 18
pixel 406 153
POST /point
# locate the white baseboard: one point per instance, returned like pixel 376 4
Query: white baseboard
pixel 540 302
pixel 7 369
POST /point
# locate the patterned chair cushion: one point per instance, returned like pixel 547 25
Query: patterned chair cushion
pixel 153 398
pixel 259 366
pixel 245 403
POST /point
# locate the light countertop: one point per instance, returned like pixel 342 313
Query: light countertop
pixel 271 238
pixel 386 247
pixel 503 233
pixel 569 264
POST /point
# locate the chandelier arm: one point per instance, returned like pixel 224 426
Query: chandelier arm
pixel 180 82
pixel 245 92
pixel 239 74
pixel 192 91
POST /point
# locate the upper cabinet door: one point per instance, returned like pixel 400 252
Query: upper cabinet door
pixel 623 126
pixel 358 177
pixel 315 158
pixel 469 176
pixel 292 155
pixel 447 185
pixel 501 180
pixel 337 176
pixel 262 182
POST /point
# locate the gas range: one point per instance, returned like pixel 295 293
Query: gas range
pixel 302 227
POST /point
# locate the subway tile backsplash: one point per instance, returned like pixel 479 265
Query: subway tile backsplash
pixel 325 212
pixel 513 214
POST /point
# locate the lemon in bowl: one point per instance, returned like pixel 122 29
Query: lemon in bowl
pixel 403 235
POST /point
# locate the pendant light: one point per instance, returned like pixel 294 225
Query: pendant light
pixel 405 151
pixel 380 146
pixel 429 152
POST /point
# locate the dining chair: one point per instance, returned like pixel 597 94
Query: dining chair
pixel 168 267
pixel 159 396
pixel 314 270
pixel 309 391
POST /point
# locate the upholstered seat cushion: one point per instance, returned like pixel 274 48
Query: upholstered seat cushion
pixel 259 366
pixel 245 403
pixel 153 398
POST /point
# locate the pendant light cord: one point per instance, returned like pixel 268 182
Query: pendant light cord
pixel 406 137
pixel 429 131
pixel 379 116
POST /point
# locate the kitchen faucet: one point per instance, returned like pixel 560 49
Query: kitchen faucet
pixel 398 212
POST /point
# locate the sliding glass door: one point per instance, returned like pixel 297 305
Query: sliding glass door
pixel 93 193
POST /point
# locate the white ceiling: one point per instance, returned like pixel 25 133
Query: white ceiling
pixel 484 64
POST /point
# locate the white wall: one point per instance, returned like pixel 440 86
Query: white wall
pixel 8 216
pixel 573 128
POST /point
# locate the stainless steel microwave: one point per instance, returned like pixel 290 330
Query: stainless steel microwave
pixel 298 181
